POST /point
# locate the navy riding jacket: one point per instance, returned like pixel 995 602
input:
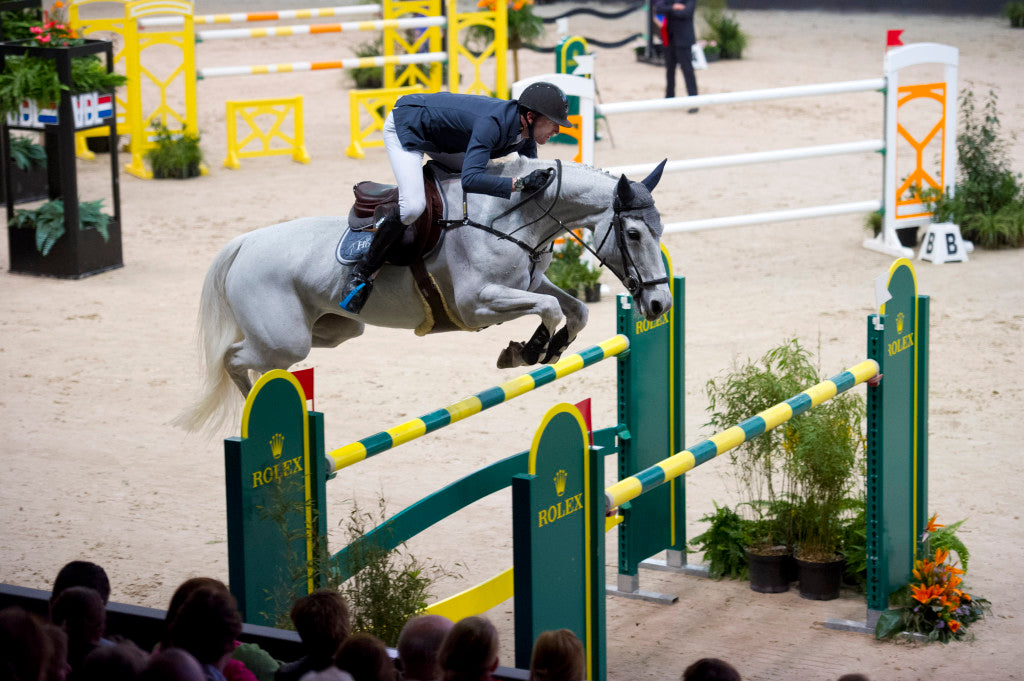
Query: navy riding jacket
pixel 481 127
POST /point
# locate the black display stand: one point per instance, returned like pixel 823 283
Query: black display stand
pixel 78 253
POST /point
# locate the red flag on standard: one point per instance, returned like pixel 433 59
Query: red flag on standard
pixel 892 38
pixel 305 379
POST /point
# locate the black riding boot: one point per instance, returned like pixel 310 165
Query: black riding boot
pixel 360 279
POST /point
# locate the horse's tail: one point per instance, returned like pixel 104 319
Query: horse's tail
pixel 217 331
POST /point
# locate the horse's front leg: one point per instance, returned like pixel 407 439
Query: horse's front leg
pixel 496 303
pixel 576 315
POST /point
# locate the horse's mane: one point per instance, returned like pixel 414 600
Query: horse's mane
pixel 515 165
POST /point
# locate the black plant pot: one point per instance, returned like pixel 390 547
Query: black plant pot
pixel 592 294
pixel 820 581
pixel 907 236
pixel 768 573
pixel 91 254
pixel 27 185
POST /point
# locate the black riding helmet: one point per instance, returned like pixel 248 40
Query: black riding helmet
pixel 547 100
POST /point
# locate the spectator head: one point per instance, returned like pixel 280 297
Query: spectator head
pixel 172 664
pixel 58 668
pixel 24 646
pixel 711 669
pixel 206 625
pixel 558 656
pixel 469 651
pixel 322 622
pixel 79 611
pixel 332 673
pixel 81 573
pixel 418 645
pixel 181 594
pixel 366 658
pixel 122 661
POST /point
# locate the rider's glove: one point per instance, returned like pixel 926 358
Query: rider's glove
pixel 538 179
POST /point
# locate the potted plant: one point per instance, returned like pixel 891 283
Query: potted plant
pixel 176 155
pixel 28 172
pixel 988 199
pixel 761 466
pixel 711 50
pixel 1014 11
pixel 39 243
pixel 826 462
pixel 724 31
pixel 29 85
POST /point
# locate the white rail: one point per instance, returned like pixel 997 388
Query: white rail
pixel 316 29
pixel 774 216
pixel 793 154
pixel 668 104
pixel 347 63
pixel 278 15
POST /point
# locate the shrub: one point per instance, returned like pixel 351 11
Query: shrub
pixel 725 32
pixel 988 200
pixel 390 586
pixel 176 155
pixel 1014 11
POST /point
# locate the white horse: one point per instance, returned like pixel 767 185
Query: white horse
pixel 272 294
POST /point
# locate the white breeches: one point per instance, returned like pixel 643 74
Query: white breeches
pixel 408 169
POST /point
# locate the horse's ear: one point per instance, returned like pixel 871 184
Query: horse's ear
pixel 624 191
pixel 651 181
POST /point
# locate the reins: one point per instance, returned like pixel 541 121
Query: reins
pixel 633 282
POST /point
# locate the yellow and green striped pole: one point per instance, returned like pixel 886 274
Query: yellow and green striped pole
pixel 428 423
pixel 678 464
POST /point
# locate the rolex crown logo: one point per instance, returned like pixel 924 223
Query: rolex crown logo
pixel 559 478
pixel 277 445
pixel 899 323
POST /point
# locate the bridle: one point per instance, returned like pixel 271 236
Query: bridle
pixel 631 277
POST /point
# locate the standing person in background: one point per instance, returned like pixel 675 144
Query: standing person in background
pixel 681 37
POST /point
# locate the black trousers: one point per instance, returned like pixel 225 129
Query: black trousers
pixel 681 55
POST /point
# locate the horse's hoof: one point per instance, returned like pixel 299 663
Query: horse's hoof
pixel 507 358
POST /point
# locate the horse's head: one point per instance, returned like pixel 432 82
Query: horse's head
pixel 631 246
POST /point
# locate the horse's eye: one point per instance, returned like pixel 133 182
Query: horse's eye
pixel 633 234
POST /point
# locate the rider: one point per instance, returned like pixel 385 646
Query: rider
pixel 463 131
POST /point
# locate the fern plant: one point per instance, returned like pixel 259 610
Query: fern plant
pixel 27 154
pixel 48 221
pixel 35 79
pixel 723 543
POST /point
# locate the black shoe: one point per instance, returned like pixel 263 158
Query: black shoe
pixel 357 290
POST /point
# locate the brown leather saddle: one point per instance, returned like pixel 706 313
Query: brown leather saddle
pixel 375 199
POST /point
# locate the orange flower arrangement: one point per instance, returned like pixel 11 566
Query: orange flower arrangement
pixel 934 605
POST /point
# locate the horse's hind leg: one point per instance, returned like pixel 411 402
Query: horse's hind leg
pixel 275 335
